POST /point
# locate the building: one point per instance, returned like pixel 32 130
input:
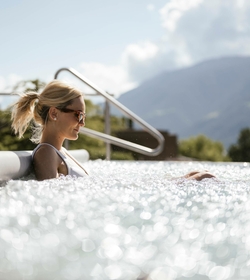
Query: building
pixel 170 151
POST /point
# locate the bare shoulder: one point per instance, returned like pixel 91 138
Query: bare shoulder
pixel 46 153
pixel 46 162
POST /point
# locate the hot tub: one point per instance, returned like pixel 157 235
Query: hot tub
pixel 128 220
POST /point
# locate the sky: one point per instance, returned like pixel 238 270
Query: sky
pixel 116 44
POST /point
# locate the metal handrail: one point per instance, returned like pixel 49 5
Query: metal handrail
pixel 8 93
pixel 115 140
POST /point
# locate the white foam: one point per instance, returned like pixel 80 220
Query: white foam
pixel 128 220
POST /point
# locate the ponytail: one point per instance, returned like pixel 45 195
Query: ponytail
pixel 23 112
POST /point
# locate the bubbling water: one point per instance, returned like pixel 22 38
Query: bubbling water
pixel 128 220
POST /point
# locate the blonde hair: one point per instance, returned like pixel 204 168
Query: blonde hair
pixel 34 107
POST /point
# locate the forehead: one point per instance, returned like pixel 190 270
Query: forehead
pixel 77 104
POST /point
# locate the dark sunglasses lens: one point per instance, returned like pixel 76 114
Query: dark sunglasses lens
pixel 79 116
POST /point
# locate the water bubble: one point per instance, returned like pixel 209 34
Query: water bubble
pixel 113 271
pixel 112 229
pixel 222 251
pixel 6 235
pixel 88 245
pixel 219 273
pixel 162 273
pixel 97 271
pixel 145 215
pixel 50 240
pixel 23 220
pixel 25 269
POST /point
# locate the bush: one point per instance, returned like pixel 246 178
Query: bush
pixel 241 151
pixel 202 148
pixel 9 141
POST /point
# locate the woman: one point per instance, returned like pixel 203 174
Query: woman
pixel 57 114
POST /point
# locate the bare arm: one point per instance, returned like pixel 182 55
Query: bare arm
pixel 199 175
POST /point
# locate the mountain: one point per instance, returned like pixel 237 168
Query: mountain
pixel 210 98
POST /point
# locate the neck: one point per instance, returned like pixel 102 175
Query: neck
pixel 52 138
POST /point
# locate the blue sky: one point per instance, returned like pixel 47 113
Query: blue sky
pixel 116 44
pixel 39 37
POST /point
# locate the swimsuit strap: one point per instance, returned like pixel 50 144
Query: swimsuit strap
pixel 72 158
pixel 41 144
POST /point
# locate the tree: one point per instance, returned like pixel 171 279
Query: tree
pixel 29 85
pixel 241 151
pixel 202 148
pixel 8 140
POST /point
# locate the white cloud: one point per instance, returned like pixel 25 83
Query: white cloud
pixel 6 85
pixel 195 30
pixel 142 52
pixel 113 79
pixel 174 10
pixel 12 80
pixel 206 29
pixel 144 60
pixel 2 84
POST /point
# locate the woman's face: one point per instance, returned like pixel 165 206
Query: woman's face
pixel 68 122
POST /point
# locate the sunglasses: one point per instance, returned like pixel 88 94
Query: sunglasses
pixel 78 114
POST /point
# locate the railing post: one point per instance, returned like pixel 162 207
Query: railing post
pixel 107 128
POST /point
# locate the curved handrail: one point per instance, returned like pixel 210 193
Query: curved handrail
pixel 114 140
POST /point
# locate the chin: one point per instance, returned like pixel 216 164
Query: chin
pixel 75 137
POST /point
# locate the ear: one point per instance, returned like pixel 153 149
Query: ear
pixel 52 113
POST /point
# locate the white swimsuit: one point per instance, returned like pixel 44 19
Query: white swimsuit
pixel 74 168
